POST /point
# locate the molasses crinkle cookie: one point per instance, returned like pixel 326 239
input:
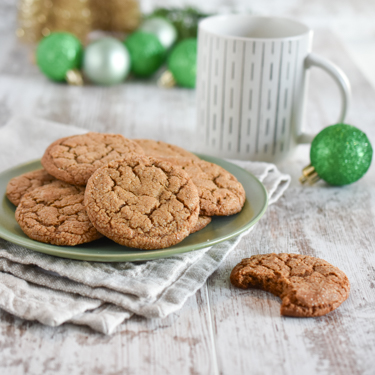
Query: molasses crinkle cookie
pixel 220 193
pixel 74 159
pixel 202 222
pixel 308 286
pixel 56 214
pixel 163 149
pixel 142 202
pixel 18 186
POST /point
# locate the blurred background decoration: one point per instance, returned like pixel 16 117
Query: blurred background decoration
pixel 351 20
pixel 66 46
pixel 38 18
pixel 185 20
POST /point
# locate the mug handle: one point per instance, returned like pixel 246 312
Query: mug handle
pixel 339 77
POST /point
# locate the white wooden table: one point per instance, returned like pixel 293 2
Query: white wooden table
pixel 220 330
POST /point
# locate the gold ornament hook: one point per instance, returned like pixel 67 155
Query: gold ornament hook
pixel 74 77
pixel 309 175
pixel 166 80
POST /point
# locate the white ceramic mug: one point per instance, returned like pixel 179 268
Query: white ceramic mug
pixel 251 83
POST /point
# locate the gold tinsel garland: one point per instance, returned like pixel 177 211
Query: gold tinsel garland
pixel 38 18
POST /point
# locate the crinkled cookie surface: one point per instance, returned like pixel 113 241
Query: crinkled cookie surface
pixel 74 159
pixel 219 191
pixel 18 186
pixel 308 286
pixel 163 149
pixel 56 214
pixel 142 202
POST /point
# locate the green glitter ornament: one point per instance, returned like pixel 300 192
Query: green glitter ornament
pixel 146 52
pixel 182 63
pixel 57 54
pixel 340 155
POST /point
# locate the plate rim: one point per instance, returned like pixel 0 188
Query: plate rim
pixel 63 251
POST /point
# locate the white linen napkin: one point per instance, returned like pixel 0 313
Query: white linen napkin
pixel 52 290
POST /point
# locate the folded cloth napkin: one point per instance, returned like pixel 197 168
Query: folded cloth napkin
pixel 53 290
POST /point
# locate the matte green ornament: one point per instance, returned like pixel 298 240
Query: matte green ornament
pixel 58 53
pixel 147 54
pixel 340 154
pixel 182 63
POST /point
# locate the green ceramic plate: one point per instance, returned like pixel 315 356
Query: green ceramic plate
pixel 105 250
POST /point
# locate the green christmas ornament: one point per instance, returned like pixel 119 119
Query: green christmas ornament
pixel 57 54
pixel 147 54
pixel 340 155
pixel 185 20
pixel 162 29
pixel 182 63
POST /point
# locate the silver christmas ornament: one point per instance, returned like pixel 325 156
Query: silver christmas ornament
pixel 106 61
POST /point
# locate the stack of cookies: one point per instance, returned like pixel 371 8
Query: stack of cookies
pixel 139 193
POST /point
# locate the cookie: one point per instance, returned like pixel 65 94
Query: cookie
pixel 202 222
pixel 308 286
pixel 56 214
pixel 142 202
pixel 219 191
pixel 18 186
pixel 74 159
pixel 159 148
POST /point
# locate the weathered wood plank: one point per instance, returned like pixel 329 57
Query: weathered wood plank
pixel 179 344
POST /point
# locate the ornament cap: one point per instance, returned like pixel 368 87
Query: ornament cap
pixel 166 80
pixel 309 175
pixel 74 77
